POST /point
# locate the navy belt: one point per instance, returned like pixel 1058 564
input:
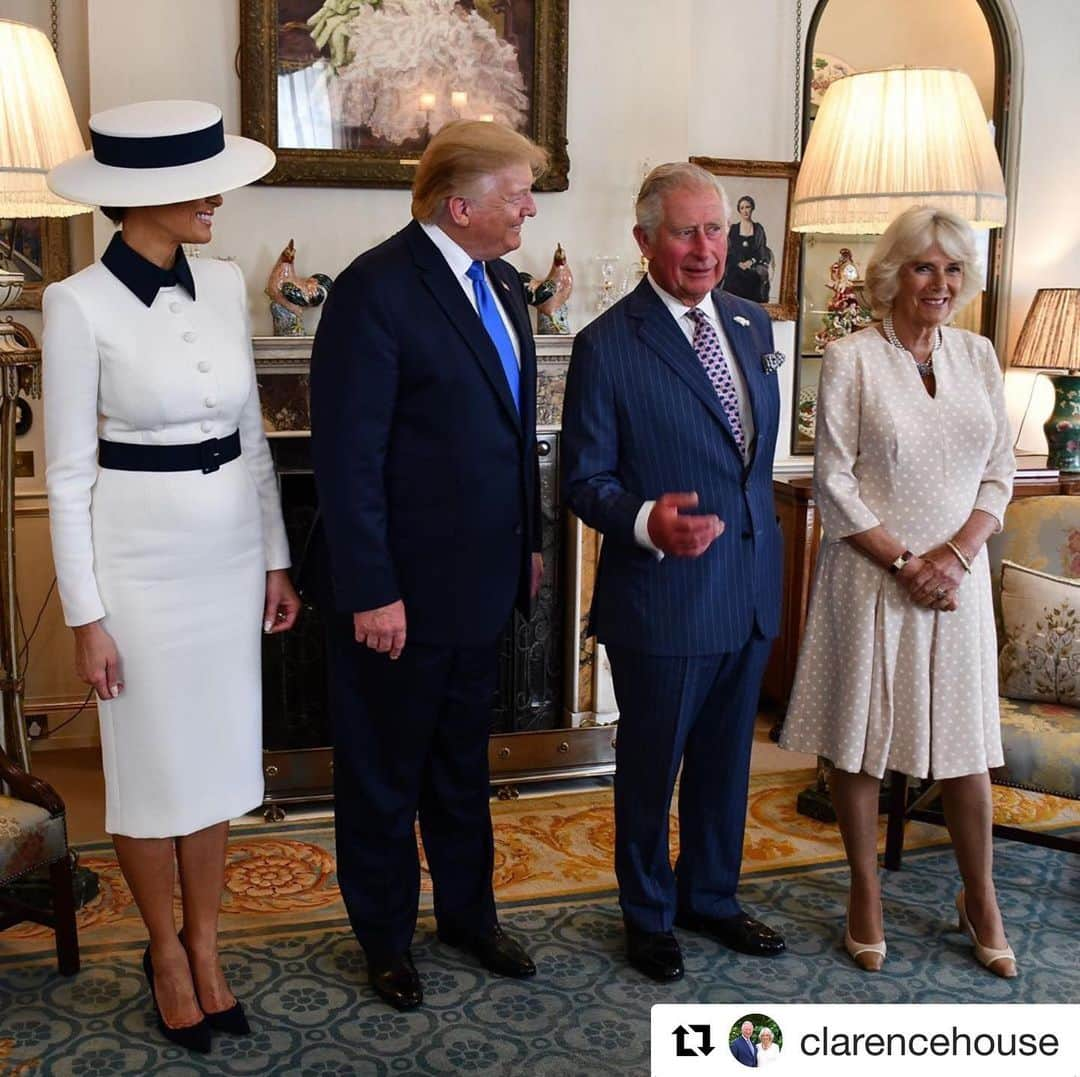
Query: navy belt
pixel 206 456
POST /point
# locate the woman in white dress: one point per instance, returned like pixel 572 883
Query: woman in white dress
pixel 912 473
pixel 767 1051
pixel 167 533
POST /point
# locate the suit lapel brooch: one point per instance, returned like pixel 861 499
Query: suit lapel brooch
pixel 771 362
pixel 740 320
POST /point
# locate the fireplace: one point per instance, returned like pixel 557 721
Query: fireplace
pixel 546 721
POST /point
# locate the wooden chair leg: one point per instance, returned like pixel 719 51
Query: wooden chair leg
pixel 67 935
pixel 894 832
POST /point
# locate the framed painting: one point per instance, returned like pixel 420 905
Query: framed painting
pixel 348 92
pixel 763 252
pixel 38 248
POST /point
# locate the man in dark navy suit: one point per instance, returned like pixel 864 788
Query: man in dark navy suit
pixel 423 402
pixel 742 1047
pixel 669 429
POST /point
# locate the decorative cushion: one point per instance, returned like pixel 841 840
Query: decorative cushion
pixel 1040 653
pixel 1040 532
pixel 1041 742
pixel 29 837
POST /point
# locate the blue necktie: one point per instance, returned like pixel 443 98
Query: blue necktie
pixel 493 323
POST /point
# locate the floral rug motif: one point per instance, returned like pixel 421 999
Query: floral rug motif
pixel 585 1012
pixel 557 846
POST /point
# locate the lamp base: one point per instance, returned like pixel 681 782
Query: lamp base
pixel 1063 427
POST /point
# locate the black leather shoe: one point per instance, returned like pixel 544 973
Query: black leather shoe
pixel 232 1021
pixel 496 951
pixel 740 932
pixel 396 981
pixel 193 1037
pixel 655 953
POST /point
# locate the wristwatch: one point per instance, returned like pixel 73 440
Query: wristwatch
pixel 899 563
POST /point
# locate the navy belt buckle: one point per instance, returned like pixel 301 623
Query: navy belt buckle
pixel 210 455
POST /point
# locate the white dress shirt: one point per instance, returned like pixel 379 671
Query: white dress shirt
pixel 679 311
pixel 459 260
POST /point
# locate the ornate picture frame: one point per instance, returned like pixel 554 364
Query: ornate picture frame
pixel 37 247
pixel 298 85
pixel 769 185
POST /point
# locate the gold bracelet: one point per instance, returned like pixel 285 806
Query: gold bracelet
pixel 959 556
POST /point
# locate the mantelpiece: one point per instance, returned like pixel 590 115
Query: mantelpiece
pixel 580 744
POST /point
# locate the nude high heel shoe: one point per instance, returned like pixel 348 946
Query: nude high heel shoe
pixel 869 956
pixel 999 962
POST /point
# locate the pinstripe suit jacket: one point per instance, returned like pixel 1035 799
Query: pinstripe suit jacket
pixel 640 419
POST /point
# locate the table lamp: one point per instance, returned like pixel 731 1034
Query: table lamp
pixel 1050 342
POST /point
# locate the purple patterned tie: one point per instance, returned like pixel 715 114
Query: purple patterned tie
pixel 707 346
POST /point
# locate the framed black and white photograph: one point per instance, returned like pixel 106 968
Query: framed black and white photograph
pixel 763 252
pixel 348 92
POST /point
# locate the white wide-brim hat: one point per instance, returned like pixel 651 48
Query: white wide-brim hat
pixel 154 153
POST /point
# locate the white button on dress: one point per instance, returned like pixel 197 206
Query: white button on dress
pixel 190 337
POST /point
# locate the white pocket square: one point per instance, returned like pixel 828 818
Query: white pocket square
pixel 771 362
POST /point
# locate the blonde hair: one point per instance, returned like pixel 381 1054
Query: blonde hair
pixel 911 234
pixel 461 155
pixel 676 176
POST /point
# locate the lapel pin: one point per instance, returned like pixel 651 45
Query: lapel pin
pixel 740 320
pixel 771 362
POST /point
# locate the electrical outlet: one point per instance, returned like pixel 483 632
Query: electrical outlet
pixel 37 726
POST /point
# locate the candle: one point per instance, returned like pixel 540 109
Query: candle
pixel 427 102
pixel 458 99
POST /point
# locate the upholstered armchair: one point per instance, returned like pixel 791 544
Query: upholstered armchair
pixel 33 834
pixel 1038 626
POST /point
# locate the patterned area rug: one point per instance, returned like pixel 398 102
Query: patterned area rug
pixel 555 846
pixel 586 1011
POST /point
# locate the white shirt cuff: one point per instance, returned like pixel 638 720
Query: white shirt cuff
pixel 641 530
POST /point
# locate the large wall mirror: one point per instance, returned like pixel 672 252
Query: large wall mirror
pixel 846 36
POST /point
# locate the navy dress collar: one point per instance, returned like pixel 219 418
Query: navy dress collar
pixel 141 276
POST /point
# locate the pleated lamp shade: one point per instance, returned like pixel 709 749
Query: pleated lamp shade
pixel 886 140
pixel 1050 339
pixel 37 124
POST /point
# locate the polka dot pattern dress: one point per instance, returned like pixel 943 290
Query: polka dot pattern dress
pixel 884 684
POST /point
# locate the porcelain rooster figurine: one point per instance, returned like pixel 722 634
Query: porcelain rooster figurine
pixel 289 294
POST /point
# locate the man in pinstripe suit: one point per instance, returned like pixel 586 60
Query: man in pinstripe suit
pixel 669 430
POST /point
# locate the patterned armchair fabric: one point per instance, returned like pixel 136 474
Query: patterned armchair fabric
pixel 1041 740
pixel 29 838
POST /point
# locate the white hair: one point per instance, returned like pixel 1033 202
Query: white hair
pixel 909 236
pixel 676 176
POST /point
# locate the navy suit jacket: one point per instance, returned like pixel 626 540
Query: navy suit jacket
pixel 426 473
pixel 640 419
pixel 744 1051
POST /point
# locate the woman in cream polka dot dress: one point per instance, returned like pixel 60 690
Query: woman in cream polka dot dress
pixel 913 471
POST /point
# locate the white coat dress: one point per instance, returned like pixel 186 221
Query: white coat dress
pixel 175 562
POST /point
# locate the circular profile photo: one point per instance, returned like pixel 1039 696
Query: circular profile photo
pixel 755 1040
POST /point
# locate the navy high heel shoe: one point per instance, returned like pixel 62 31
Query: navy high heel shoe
pixel 192 1038
pixel 232 1021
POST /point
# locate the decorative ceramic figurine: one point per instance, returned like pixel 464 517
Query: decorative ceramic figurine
pixel 289 295
pixel 550 296
pixel 847 310
pixel 552 314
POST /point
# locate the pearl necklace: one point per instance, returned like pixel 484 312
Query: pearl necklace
pixel 926 369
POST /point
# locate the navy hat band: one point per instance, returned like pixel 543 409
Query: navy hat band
pixel 158 151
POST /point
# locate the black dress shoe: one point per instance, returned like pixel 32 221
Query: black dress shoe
pixel 739 932
pixel 193 1037
pixel 496 951
pixel 396 980
pixel 233 1020
pixel 655 953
